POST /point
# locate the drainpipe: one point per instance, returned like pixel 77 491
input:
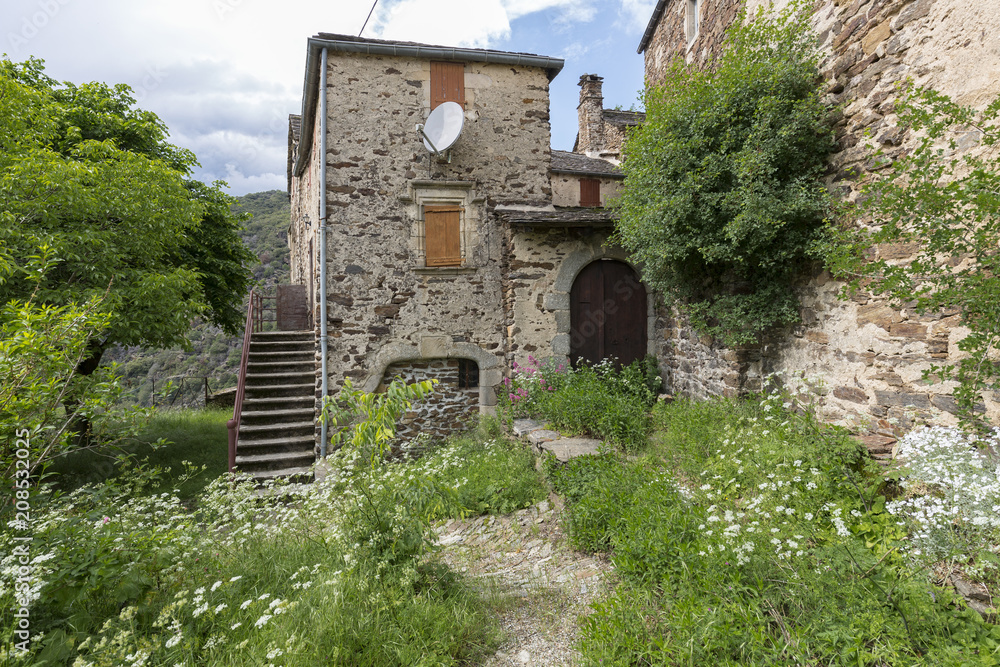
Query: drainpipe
pixel 324 379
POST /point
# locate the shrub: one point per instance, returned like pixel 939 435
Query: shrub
pixel 332 573
pixel 597 400
pixel 777 549
pixel 722 203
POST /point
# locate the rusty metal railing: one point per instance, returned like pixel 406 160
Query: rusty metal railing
pixel 255 322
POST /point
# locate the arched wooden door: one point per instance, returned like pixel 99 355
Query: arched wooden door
pixel 607 314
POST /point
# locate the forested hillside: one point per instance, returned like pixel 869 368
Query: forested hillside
pixel 212 354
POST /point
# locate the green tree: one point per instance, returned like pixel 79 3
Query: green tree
pixel 722 202
pixel 944 198
pixel 90 182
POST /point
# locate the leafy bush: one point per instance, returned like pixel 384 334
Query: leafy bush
pixel 332 573
pixel 777 549
pixel 722 203
pixel 599 400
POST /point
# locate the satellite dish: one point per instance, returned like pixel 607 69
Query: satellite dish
pixel 443 127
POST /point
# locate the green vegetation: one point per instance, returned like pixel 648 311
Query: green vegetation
pixel 751 534
pixel 594 400
pixel 196 437
pixel 210 352
pixel 722 203
pixel 334 573
pixel 41 393
pixel 943 197
pixel 97 205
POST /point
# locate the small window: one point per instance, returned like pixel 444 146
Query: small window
pixel 447 83
pixel 468 374
pixel 692 20
pixel 443 235
pixel 590 192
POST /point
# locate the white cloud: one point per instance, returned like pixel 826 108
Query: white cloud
pixel 636 14
pixel 446 22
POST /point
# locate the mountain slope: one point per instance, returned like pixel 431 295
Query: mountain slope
pixel 212 354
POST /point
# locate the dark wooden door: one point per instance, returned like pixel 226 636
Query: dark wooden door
pixel 293 308
pixel 607 314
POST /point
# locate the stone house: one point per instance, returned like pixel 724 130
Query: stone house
pixel 869 354
pixel 453 266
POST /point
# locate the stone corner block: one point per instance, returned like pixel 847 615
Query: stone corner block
pixel 560 345
pixel 556 301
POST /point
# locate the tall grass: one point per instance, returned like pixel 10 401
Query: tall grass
pixel 198 436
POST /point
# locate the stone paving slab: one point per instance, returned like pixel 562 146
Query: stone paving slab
pixel 538 436
pixel 565 449
pixel 523 427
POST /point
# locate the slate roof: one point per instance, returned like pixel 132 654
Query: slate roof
pixel 560 217
pixel 565 162
pixel 630 118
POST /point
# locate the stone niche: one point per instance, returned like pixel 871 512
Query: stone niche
pixel 453 403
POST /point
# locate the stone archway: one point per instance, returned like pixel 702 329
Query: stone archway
pixel 558 300
pixel 608 313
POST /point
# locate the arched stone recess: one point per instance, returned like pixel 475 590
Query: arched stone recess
pixel 441 347
pixel 558 300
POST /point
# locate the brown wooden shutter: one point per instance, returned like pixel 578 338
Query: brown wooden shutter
pixel 447 83
pixel 590 192
pixel 443 235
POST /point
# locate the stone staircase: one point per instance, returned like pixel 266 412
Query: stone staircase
pixel 277 426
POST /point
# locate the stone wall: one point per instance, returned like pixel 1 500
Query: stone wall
pixel 543 266
pixel 566 189
pixel 447 410
pixel 384 305
pixel 868 355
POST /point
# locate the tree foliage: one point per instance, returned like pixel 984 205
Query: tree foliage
pixel 722 202
pixel 944 198
pixel 90 182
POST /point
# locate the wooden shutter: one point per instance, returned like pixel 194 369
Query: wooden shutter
pixel 590 192
pixel 447 83
pixel 442 233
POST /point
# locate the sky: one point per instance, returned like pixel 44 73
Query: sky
pixel 224 74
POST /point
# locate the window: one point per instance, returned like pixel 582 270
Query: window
pixel 443 235
pixel 692 19
pixel 590 192
pixel 468 374
pixel 447 83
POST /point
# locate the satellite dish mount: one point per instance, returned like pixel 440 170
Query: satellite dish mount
pixel 443 128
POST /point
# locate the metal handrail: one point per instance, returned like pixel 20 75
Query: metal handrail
pixel 255 323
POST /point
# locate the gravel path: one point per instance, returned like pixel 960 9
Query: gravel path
pixel 541 586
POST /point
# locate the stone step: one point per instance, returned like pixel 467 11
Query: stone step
pixel 268 346
pixel 277 355
pixel 252 417
pixel 300 390
pixel 281 366
pixel 277 445
pixel 278 403
pixel 306 334
pixel 279 379
pixel 271 431
pixel 273 461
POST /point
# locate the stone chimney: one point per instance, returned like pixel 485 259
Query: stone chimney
pixel 590 139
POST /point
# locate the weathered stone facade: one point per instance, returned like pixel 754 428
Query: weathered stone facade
pixel 388 311
pixel 869 355
pixel 449 408
pixel 602 132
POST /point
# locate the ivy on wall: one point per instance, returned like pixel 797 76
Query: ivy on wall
pixel 722 202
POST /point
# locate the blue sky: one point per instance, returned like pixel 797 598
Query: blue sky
pixel 224 74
